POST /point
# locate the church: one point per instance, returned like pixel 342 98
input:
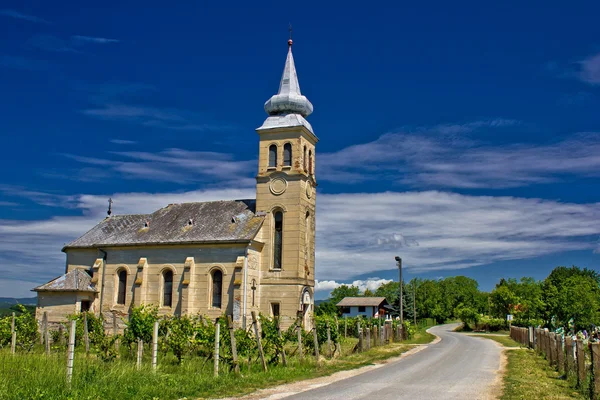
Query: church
pixel 212 258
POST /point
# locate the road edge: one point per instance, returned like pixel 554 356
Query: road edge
pixel 293 388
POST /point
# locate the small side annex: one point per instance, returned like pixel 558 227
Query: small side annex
pixel 66 295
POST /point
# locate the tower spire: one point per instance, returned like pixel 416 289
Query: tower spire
pixel 288 107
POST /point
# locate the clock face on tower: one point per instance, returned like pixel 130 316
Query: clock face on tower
pixel 278 185
pixel 309 190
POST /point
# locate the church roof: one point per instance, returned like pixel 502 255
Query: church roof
pixel 232 221
pixel 288 108
pixel 73 281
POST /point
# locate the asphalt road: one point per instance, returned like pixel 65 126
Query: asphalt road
pixel 457 367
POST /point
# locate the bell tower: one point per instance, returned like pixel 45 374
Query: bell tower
pixel 285 192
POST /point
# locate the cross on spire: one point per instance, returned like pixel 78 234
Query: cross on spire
pixel 290 40
pixel 110 202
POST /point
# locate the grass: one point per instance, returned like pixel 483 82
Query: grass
pixel 504 340
pixel 421 337
pixel 528 376
pixel 36 376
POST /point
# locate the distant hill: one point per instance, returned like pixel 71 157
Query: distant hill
pixel 9 301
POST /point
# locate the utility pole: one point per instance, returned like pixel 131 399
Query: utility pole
pixel 399 262
pixel 414 302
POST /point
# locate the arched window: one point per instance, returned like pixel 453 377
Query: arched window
pixel 277 239
pixel 305 160
pixel 287 155
pixel 310 162
pixel 167 288
pixel 273 156
pixel 307 234
pixel 217 288
pixel 122 286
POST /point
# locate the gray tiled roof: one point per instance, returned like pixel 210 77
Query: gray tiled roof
pixel 361 301
pixel 213 221
pixel 73 281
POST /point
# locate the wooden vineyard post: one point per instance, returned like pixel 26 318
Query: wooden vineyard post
pixel 300 341
pixel 560 354
pixel 375 336
pixel 595 350
pixel 260 348
pixel 553 354
pixel 61 335
pixel 360 338
pixel 216 354
pixel 71 353
pixel 337 325
pixel 329 341
pixel 316 341
pixel 155 346
pixel 280 336
pixel 13 335
pixel 46 337
pixel 86 335
pixel 345 328
pixel 530 336
pixel 234 355
pixel 140 353
pixel 368 338
pixel 115 332
pixel 580 363
pixel 568 355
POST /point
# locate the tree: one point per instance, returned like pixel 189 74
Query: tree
pixel 390 291
pixel 326 308
pixel 503 301
pixel 342 291
pixel 571 293
pixel 329 306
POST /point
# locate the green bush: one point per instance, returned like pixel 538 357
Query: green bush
pixel 141 324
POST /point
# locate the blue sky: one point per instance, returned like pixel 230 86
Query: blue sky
pixel 463 137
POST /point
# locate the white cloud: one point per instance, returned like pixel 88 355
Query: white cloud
pixel 322 286
pixel 91 39
pixel 175 165
pixel 453 231
pixel 590 70
pixel 25 17
pixel 442 157
pixel 122 141
pixel 370 283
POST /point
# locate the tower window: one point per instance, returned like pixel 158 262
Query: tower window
pixel 307 235
pixel 167 288
pixel 217 288
pixel 273 156
pixel 122 287
pixel 310 162
pixel 287 155
pixel 275 309
pixel 305 160
pixel 278 240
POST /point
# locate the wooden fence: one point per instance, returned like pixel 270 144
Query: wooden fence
pixel 567 355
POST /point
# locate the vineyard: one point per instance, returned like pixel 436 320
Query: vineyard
pixel 178 353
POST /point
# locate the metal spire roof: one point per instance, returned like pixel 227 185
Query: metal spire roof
pixel 288 107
